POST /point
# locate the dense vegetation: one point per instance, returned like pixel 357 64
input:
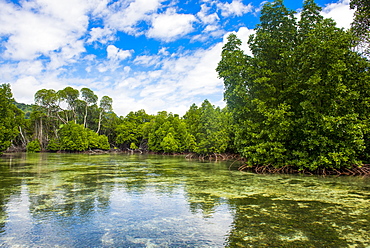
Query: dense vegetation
pixel 301 100
pixel 361 25
pixel 11 118
pixel 71 120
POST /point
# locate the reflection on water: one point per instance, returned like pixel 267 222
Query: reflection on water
pixel 115 200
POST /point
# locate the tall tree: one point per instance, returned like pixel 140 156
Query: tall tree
pixel 105 106
pixel 212 136
pixel 89 99
pixel 310 17
pixel 70 96
pixel 48 102
pixel 305 93
pixel 130 132
pixel 361 23
pixel 233 70
pixel 10 118
pixel 332 88
pixel 267 105
pixel 46 115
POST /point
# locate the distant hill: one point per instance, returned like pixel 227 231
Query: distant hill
pixel 26 108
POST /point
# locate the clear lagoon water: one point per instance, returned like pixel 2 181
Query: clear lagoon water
pixel 120 200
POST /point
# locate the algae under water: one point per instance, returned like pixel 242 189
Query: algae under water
pixel 119 200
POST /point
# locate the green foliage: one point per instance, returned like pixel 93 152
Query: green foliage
pixel 302 99
pixel 131 130
pixel 26 108
pixel 48 113
pixel 212 136
pixel 74 137
pixel 361 24
pixel 208 129
pixel 53 145
pixel 70 96
pixel 97 141
pixel 169 133
pixel 34 146
pixel 11 118
pixel 164 133
pixel 169 143
pixel 133 146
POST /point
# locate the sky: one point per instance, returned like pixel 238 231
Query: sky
pixel 145 54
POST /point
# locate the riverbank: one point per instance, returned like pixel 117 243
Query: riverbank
pixel 237 163
pixel 363 170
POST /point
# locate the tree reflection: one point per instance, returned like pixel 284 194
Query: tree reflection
pixel 10 182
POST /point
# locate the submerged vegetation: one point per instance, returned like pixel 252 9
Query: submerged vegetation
pixel 299 103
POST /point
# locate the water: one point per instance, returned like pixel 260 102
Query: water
pixel 117 200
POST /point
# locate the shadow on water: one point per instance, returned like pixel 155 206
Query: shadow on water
pixel 115 200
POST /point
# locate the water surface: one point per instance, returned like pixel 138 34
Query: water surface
pixel 118 200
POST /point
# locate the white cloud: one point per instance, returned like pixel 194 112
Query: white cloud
pixel 235 8
pixel 31 68
pixel 163 51
pixel 25 88
pixel 102 35
pixel 51 29
pixel 116 54
pixel 205 17
pixel 202 78
pixel 69 53
pixel 125 15
pixel 180 80
pixel 147 60
pixel 210 20
pixel 340 12
pixel 243 34
pixel 171 25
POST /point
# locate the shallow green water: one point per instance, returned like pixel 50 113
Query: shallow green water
pixel 116 200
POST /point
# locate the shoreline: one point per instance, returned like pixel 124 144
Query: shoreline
pixel 238 162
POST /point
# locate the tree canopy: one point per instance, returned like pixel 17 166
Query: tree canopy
pixel 361 23
pixel 302 98
pixel 10 118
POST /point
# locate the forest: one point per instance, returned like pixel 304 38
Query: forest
pixel 300 101
pixel 74 121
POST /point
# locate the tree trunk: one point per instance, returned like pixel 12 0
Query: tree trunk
pixel 100 115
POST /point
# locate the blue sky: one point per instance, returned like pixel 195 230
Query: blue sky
pixel 145 54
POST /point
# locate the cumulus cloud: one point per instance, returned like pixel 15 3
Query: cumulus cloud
pixel 171 25
pixel 243 34
pixel 125 15
pixel 102 35
pixel 178 80
pixel 116 54
pixel 205 17
pixel 24 88
pixel 43 27
pixel 340 12
pixel 147 60
pixel 235 8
